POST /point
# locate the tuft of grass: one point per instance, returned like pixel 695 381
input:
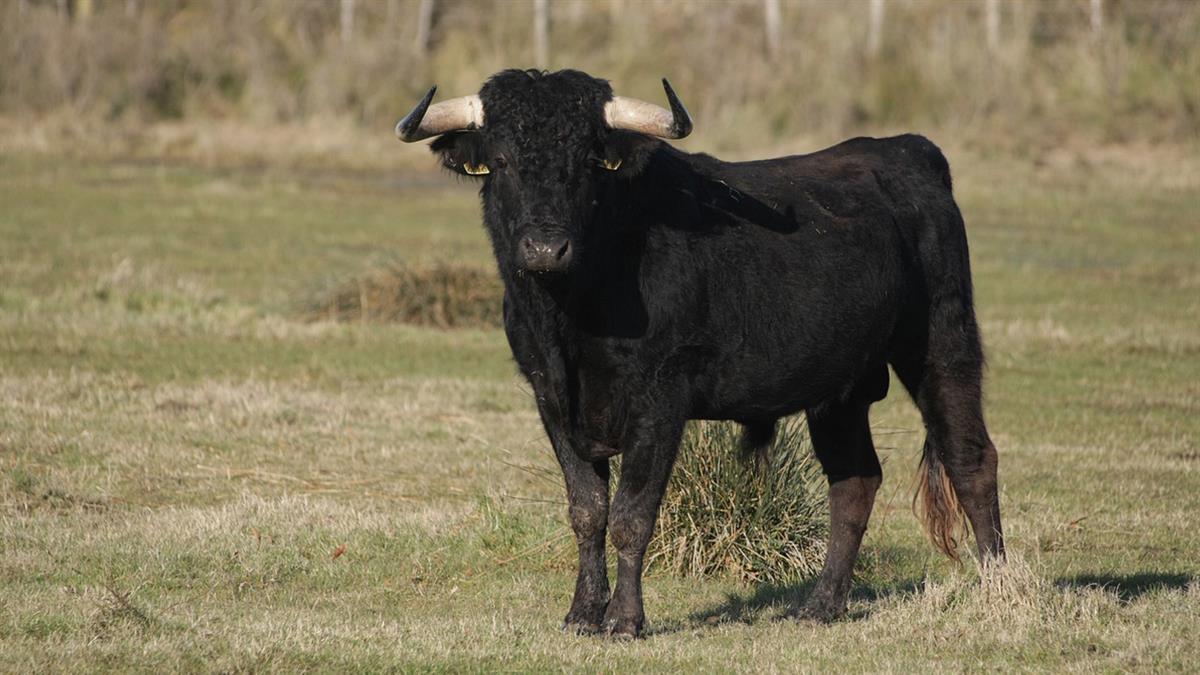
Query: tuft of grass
pixel 119 607
pixel 441 295
pixel 23 481
pixel 762 522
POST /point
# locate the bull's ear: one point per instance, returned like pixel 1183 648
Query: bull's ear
pixel 626 153
pixel 462 152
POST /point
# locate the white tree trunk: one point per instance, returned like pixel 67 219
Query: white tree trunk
pixel 541 33
pixel 771 21
pixel 346 21
pixel 875 27
pixel 991 20
pixel 1097 16
pixel 616 10
pixel 424 26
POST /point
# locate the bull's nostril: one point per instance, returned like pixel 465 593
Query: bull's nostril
pixel 563 250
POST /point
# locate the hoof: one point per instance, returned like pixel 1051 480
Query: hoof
pixel 583 622
pixel 623 630
pixel 572 627
pixel 818 612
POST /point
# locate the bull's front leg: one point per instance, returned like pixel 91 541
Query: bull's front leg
pixel 586 479
pixel 645 470
pixel 587 499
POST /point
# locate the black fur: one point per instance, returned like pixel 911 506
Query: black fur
pixel 706 289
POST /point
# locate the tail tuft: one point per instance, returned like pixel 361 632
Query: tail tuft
pixel 936 504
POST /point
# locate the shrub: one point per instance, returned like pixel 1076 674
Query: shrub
pixel 723 514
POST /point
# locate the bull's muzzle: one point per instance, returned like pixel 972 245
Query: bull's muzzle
pixel 544 253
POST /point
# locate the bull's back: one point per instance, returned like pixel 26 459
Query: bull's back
pixel 806 308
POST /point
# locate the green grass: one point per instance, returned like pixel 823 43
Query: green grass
pixel 182 451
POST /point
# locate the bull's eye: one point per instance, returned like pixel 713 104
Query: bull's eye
pixel 499 163
pixel 611 164
pixel 476 169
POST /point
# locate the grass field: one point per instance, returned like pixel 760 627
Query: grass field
pixel 196 477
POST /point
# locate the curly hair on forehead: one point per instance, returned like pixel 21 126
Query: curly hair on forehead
pixel 532 95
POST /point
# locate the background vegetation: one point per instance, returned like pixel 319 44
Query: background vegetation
pixel 220 450
pixel 991 72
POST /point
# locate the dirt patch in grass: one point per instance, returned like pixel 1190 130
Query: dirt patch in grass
pixel 443 295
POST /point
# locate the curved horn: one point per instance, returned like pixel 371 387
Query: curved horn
pixel 646 118
pixel 457 114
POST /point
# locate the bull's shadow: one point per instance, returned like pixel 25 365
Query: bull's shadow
pixel 1129 587
pixel 771 602
pixel 765 603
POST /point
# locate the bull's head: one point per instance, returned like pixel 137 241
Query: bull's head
pixel 545 147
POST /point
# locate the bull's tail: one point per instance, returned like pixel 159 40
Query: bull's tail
pixel 936 504
pixel 757 436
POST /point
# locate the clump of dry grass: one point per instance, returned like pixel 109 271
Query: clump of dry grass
pixel 1014 603
pixel 443 295
pixel 726 516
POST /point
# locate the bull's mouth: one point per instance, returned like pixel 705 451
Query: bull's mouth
pixel 546 271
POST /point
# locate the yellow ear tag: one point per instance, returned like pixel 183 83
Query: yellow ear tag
pixel 612 164
pixel 476 169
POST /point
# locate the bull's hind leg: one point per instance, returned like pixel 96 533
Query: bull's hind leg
pixel 841 437
pixel 959 464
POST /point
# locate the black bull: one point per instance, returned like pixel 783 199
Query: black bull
pixel 645 286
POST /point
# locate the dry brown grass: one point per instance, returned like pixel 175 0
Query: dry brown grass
pixel 442 295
